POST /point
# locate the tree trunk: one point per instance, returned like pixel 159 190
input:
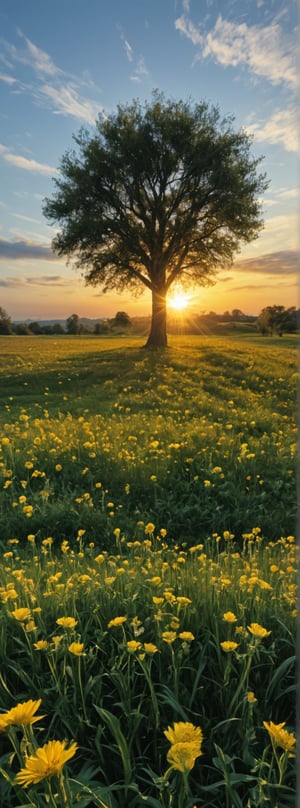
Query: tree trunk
pixel 158 331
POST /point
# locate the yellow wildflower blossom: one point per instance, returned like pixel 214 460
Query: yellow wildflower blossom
pixel 229 617
pixel 46 761
pixel 186 635
pixel 76 648
pixel 67 622
pixel 134 645
pixel 116 621
pixel 23 714
pixel 257 630
pixel 227 646
pixel 184 732
pixel 182 756
pixel 279 736
pixel 21 614
pixel 150 648
pixel 169 636
pixel 41 645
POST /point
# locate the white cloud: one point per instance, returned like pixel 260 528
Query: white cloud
pixel 26 218
pixel 140 72
pixel 23 162
pixel 265 51
pixel 50 86
pixel 38 59
pixel 128 50
pixel 7 79
pixel 65 100
pixel 281 128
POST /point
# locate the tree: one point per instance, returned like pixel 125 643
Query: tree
pixel 121 320
pixel 157 194
pixel 5 322
pixel 277 320
pixel 73 324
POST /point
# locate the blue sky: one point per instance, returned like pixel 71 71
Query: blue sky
pixel 62 62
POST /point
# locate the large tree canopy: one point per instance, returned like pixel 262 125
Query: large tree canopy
pixel 157 194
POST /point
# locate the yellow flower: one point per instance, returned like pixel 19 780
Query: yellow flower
pixel 228 645
pixel 229 617
pixel 183 600
pixel 169 636
pixel 257 630
pixel 157 600
pixel 66 622
pixel 23 713
pixel 149 528
pixel 134 645
pixel 46 761
pixel 116 621
pixel 186 635
pixel 76 648
pixel 251 697
pixel 185 740
pixel 21 614
pixel 279 736
pixel 150 648
pixel 182 756
pixel 41 645
pixel 184 732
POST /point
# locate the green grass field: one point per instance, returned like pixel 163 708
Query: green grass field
pixel 147 502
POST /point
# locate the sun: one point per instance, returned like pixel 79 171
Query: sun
pixel 179 301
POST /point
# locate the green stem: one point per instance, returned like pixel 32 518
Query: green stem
pixel 81 689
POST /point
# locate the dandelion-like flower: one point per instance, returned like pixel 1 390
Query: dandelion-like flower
pixel 169 636
pixel 21 614
pixel 23 714
pixel 134 645
pixel 184 732
pixel 229 617
pixel 186 740
pixel 76 648
pixel 46 761
pixel 187 636
pixel 116 621
pixel 182 756
pixel 150 648
pixel 41 645
pixel 258 631
pixel 279 736
pixel 228 645
pixel 67 622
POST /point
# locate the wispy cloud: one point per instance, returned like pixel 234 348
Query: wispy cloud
pixel 141 71
pixel 65 100
pixel 50 87
pixel 283 262
pixel 39 280
pixel 264 50
pixel 281 128
pixel 127 48
pixel 24 249
pixel 26 218
pixel 7 79
pixel 34 57
pixel 19 161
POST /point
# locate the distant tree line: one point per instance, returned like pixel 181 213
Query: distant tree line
pixel 272 320
pixel 73 325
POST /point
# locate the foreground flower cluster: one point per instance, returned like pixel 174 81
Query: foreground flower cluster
pixel 151 625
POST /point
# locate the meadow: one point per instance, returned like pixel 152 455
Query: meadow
pixel 148 572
